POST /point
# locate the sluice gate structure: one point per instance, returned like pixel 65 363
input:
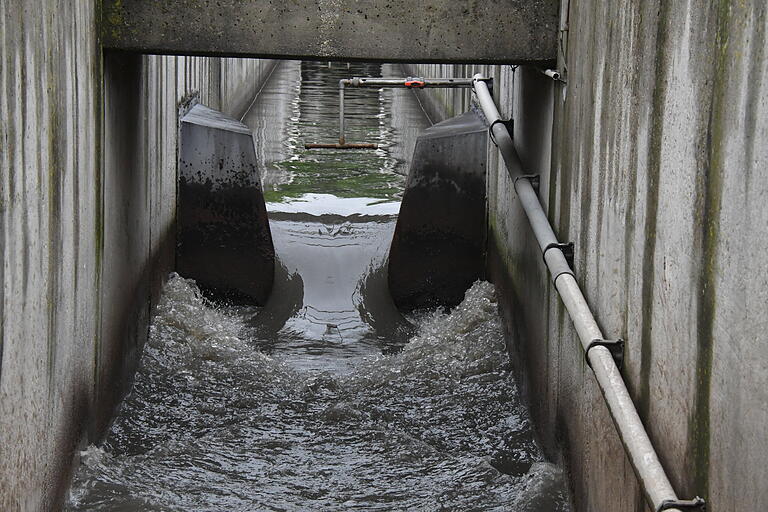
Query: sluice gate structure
pixel 648 154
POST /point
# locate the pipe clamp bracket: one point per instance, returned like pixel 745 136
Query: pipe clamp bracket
pixel 510 124
pixel 616 347
pixel 566 248
pixel 533 178
pixel 696 503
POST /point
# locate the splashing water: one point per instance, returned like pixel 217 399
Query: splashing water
pixel 295 406
pixel 214 424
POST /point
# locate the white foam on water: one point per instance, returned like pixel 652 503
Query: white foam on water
pixel 329 204
pixel 213 423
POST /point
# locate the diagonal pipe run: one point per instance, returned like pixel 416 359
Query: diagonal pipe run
pixel 656 485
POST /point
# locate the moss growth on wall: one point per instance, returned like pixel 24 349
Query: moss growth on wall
pixel 113 19
pixel 657 120
pixel 706 301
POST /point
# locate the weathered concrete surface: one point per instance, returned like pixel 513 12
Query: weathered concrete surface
pixel 223 237
pixel 87 207
pixel 50 215
pixel 238 80
pixel 438 248
pixel 396 30
pixel 658 175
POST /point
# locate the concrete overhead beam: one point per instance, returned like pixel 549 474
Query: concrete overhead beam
pixel 489 31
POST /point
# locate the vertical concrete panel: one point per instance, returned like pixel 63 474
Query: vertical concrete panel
pixel 126 270
pixel 240 79
pixel 46 233
pixel 668 193
pixel 736 280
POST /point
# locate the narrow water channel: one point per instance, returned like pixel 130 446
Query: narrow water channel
pixel 326 398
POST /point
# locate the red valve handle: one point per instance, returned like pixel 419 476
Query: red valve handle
pixel 414 83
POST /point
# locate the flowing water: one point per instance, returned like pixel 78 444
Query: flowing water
pixel 326 398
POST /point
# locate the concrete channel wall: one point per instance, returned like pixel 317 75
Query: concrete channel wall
pixel 87 204
pixel 653 161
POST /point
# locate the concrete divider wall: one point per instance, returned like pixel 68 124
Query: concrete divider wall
pixel 87 202
pixel 658 175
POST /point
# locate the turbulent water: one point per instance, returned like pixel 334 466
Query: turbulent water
pixel 215 424
pixel 326 398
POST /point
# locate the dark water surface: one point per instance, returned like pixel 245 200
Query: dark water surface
pixel 326 398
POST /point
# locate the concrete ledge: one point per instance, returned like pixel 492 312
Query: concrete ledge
pixel 397 30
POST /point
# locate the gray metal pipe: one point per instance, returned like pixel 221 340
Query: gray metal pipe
pixel 341 112
pixel 539 222
pixel 376 83
pixel 650 473
pixel 551 73
pixel 411 83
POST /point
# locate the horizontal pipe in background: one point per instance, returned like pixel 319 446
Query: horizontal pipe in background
pixel 376 83
pixel 411 83
pixel 637 444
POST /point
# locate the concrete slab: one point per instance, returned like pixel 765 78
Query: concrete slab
pixel 397 30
